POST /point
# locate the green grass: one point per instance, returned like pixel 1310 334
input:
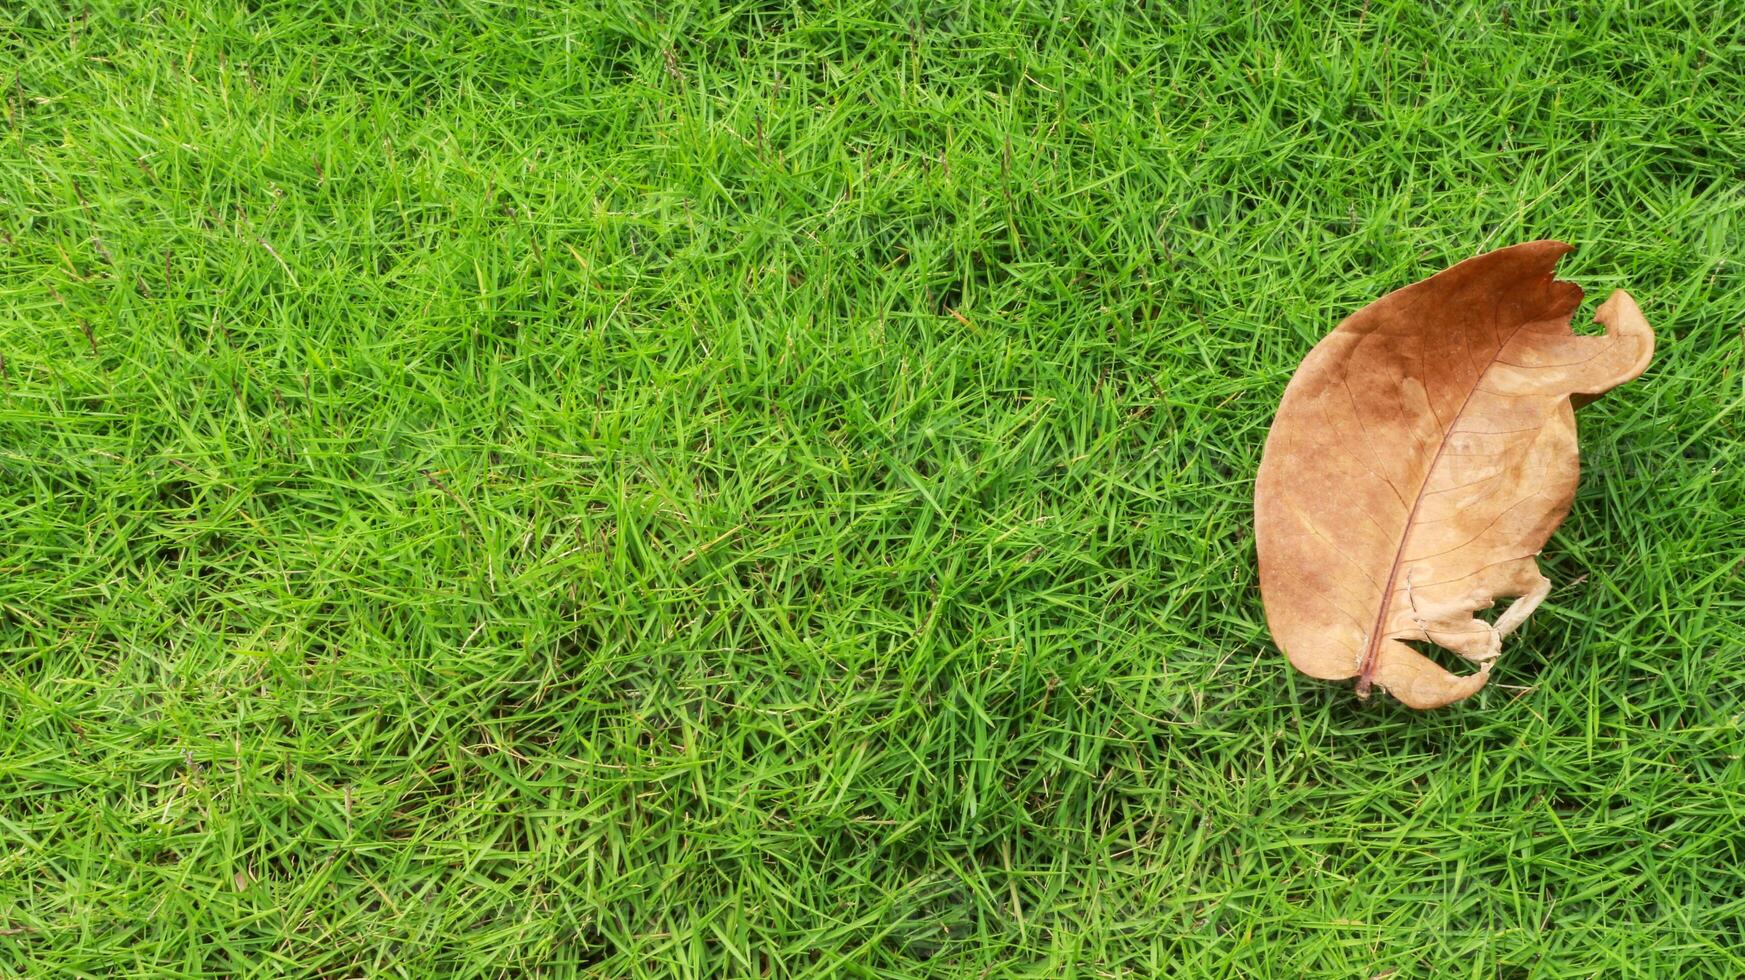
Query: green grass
pixel 490 491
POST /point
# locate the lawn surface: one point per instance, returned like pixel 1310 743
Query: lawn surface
pixel 490 491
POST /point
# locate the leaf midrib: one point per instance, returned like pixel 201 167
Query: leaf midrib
pixel 1366 664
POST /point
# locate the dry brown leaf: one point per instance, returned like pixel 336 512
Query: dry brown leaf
pixel 1422 455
